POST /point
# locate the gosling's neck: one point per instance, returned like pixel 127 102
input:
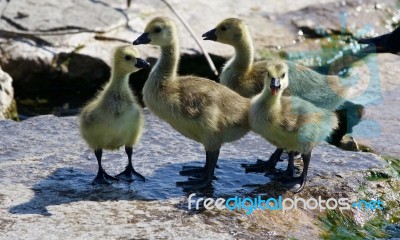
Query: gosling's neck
pixel 243 59
pixel 167 65
pixel 271 102
pixel 119 81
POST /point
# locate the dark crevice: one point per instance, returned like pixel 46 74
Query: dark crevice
pixel 65 86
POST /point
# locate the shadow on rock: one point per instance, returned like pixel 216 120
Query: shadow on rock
pixel 66 185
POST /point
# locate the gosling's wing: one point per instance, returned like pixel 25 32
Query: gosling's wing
pixel 89 115
pixel 193 97
pixel 323 91
pixel 199 95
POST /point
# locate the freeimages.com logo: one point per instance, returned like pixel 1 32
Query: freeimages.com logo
pixel 280 203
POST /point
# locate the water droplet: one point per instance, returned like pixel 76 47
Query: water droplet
pixel 300 33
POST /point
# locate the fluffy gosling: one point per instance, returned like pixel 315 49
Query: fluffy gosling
pixel 289 122
pixel 114 118
pixel 198 108
pixel 246 77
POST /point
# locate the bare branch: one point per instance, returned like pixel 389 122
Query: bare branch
pixel 203 50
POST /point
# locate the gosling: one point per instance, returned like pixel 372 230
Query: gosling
pixel 246 77
pixel 387 43
pixel 114 118
pixel 198 108
pixel 289 122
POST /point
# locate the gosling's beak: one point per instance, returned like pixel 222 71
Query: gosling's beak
pixel 142 39
pixel 275 85
pixel 140 63
pixel 210 35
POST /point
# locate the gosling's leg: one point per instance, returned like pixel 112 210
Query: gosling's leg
pixel 262 166
pixel 205 181
pixel 197 172
pixel 290 168
pixel 297 184
pixel 129 173
pixel 194 171
pixel 102 177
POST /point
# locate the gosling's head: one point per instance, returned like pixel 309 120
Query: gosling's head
pixel 276 79
pixel 126 59
pixel 229 31
pixel 160 31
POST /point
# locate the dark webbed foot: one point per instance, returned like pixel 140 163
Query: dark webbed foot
pixel 263 166
pixel 295 184
pixel 289 172
pixel 195 172
pixel 130 175
pixel 103 178
pixel 205 177
pixel 191 170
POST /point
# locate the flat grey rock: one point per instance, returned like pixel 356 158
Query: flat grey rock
pixel 377 87
pixel 46 191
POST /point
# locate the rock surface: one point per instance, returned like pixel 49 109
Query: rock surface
pixel 45 190
pixel 7 103
pixel 377 88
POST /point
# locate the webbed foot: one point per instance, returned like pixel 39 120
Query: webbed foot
pixel 130 175
pixel 103 178
pixel 264 166
pixel 295 184
pixel 194 184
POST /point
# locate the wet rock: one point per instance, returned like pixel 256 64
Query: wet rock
pixel 376 88
pixel 344 17
pixel 7 103
pixel 45 188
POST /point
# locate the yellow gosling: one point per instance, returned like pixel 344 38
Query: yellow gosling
pixel 198 108
pixel 114 118
pixel 289 122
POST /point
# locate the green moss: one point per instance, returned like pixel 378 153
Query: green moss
pixel 11 112
pixel 394 162
pixel 378 176
pixel 78 48
pixel 341 225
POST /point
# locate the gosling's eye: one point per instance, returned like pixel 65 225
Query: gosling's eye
pixel 283 75
pixel 127 57
pixel 223 28
pixel 157 29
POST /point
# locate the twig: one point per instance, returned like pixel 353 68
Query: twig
pixel 203 50
pixel 98 37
